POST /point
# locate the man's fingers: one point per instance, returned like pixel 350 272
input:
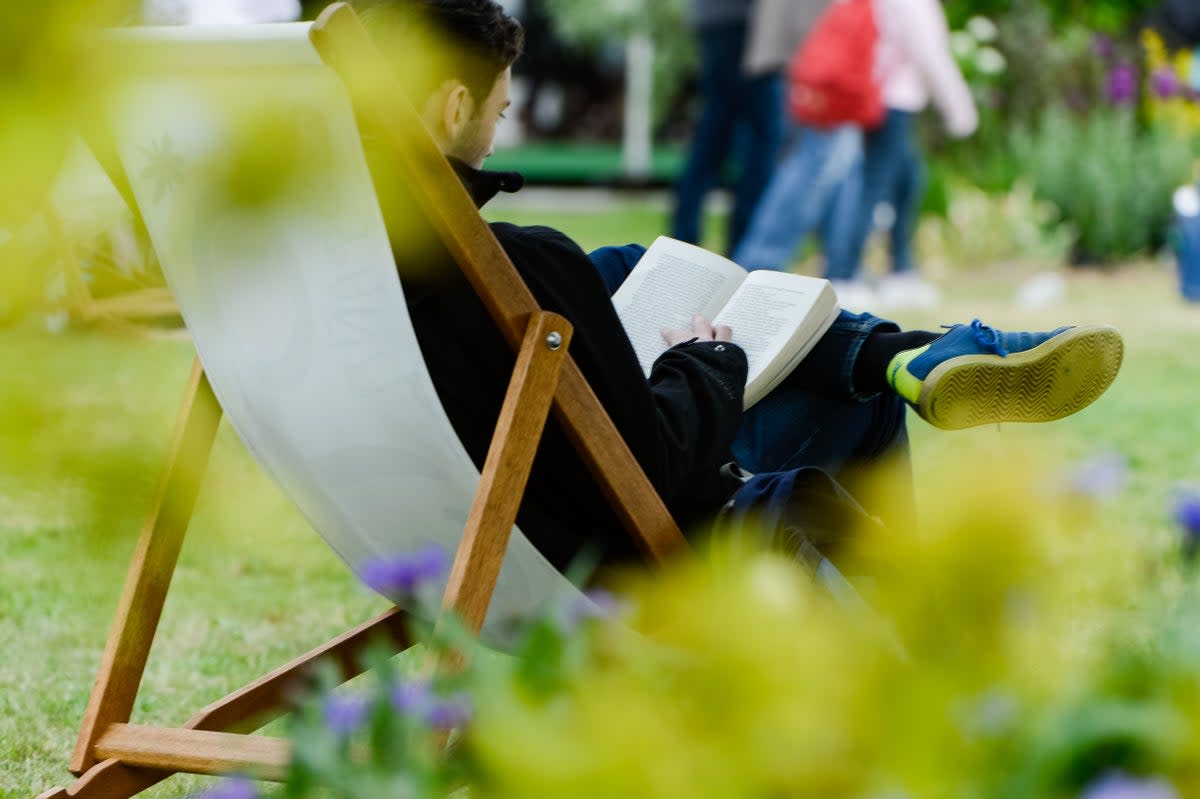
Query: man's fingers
pixel 701 329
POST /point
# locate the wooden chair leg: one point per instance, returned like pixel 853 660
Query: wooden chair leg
pixel 248 707
pixel 151 569
pixel 472 581
pixel 269 696
pixel 109 779
pixel 506 470
pixel 469 590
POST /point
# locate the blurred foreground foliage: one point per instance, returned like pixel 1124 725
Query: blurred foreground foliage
pixel 48 89
pixel 45 84
pixel 1019 646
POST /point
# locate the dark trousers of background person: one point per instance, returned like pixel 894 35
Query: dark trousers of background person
pixel 892 173
pixel 731 100
pixel 816 418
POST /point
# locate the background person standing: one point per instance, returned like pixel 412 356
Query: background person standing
pixel 916 66
pixel 816 183
pixel 741 116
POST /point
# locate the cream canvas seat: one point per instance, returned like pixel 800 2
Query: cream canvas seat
pixel 240 148
pixel 292 299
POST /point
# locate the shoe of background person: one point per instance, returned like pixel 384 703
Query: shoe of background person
pixel 906 290
pixel 855 296
pixel 975 374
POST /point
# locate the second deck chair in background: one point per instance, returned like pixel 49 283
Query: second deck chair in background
pixel 105 245
pixel 304 342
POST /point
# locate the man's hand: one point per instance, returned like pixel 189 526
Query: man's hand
pixel 701 330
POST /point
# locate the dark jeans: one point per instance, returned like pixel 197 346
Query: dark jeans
pixel 816 417
pixel 807 191
pixel 892 173
pixel 739 113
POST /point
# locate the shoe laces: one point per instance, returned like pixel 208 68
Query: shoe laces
pixel 987 337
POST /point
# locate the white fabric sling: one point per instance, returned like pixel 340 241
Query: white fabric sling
pixel 292 297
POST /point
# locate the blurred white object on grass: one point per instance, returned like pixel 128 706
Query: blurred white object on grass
pixel 1042 290
pixel 1186 200
pixel 220 12
pixel 907 290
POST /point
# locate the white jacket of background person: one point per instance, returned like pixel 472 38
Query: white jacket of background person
pixel 916 63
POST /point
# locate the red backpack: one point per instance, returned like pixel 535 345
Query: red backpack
pixel 831 79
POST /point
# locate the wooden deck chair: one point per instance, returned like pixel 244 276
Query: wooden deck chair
pixel 304 343
pixel 132 311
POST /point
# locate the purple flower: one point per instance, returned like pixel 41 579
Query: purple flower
pixel 1117 785
pixel 596 603
pixel 416 699
pixel 1164 82
pixel 404 575
pixel 412 698
pixel 232 788
pixel 1122 84
pixel 449 713
pixel 1187 515
pixel 1103 46
pixel 345 714
pixel 1099 477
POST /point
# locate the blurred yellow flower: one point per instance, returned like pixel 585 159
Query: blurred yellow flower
pixel 749 679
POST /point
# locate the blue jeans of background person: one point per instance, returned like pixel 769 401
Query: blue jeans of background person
pixel 814 166
pixel 892 173
pixel 731 100
pixel 815 417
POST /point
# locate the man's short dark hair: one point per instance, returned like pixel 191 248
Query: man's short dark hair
pixel 472 40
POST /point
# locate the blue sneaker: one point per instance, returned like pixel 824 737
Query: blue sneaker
pixel 975 374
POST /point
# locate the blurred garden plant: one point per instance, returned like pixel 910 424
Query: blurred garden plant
pixel 1026 669
pixel 981 228
pixel 1174 86
pixel 1102 124
pixel 1110 136
pixel 1110 176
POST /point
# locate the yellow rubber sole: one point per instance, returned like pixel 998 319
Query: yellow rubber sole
pixel 1055 379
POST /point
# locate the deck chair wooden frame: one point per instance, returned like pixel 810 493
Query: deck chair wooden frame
pixel 115 759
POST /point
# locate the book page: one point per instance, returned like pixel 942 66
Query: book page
pixel 672 282
pixel 783 364
pixel 774 316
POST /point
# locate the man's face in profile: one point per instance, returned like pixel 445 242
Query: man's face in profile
pixel 474 142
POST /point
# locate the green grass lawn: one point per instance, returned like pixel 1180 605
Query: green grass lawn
pixel 85 418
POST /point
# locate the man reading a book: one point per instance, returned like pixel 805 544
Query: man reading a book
pixel 842 409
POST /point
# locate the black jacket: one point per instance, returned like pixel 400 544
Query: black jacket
pixel 679 424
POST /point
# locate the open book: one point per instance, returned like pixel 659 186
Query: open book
pixel 776 317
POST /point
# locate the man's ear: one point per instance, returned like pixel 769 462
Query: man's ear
pixel 457 109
